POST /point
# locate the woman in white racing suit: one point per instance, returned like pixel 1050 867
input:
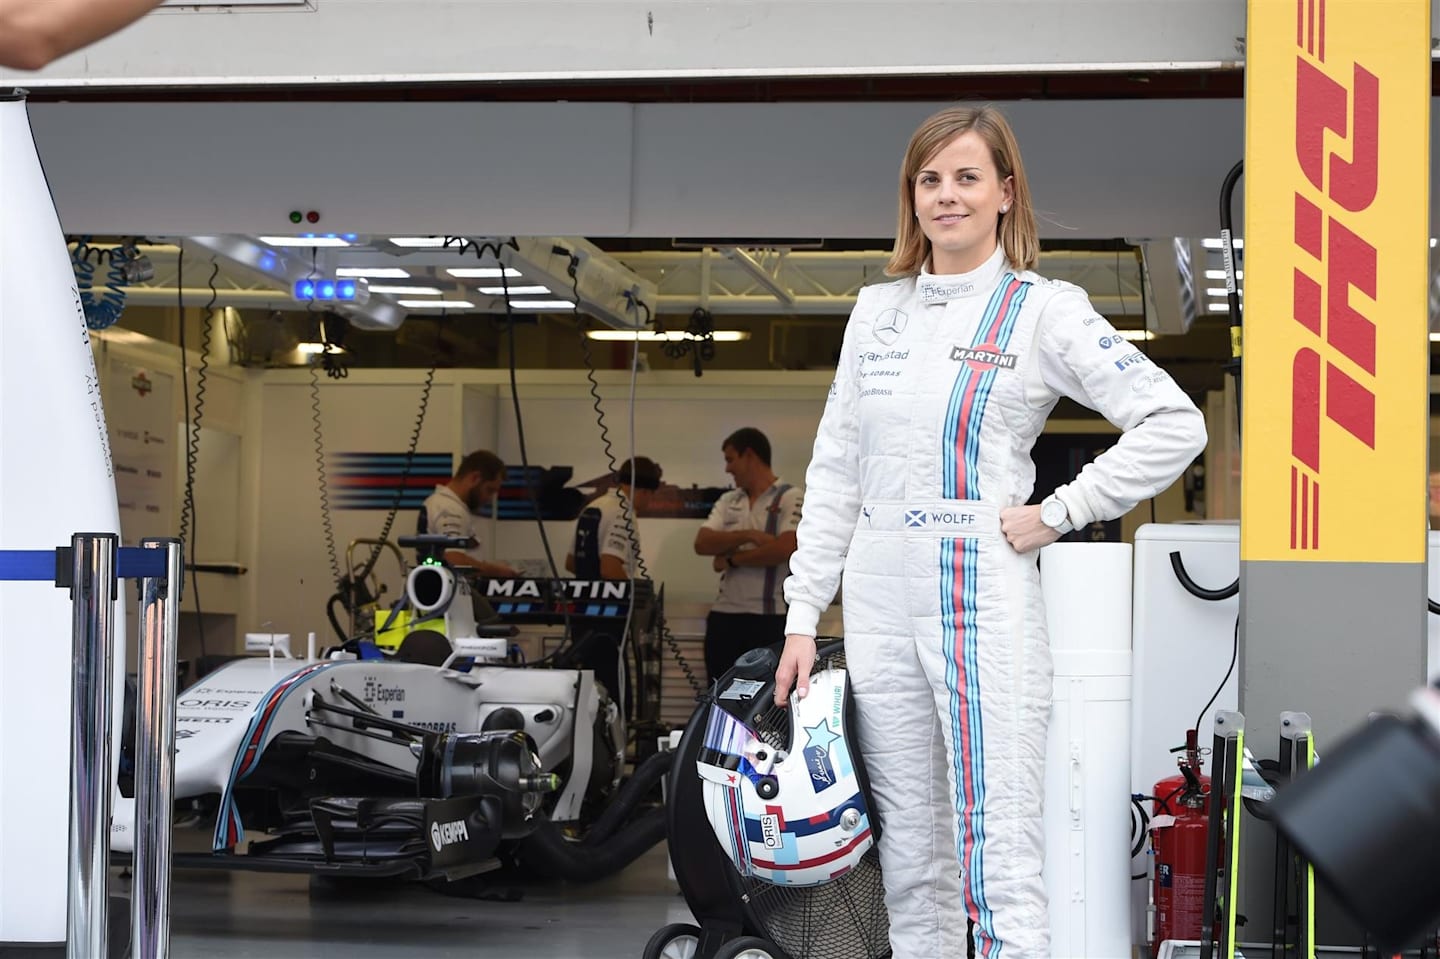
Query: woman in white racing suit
pixel 915 495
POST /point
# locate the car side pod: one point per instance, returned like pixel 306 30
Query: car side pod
pixel 56 479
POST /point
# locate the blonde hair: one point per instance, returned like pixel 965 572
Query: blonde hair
pixel 1016 229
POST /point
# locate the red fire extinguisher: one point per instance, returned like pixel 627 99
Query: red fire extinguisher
pixel 1180 818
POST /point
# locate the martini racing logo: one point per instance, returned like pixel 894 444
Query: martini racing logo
pixel 444 834
pixel 986 356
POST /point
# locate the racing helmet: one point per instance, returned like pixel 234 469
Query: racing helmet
pixel 795 813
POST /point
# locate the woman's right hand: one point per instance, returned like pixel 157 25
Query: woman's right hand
pixel 796 662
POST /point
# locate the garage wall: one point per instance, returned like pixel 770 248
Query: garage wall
pixel 258 496
pixel 291 576
pixel 680 422
pixel 415 41
pixel 141 387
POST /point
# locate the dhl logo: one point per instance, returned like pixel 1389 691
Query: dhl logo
pixel 1333 376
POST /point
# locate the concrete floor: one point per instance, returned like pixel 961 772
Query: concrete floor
pixel 229 915
pixel 267 916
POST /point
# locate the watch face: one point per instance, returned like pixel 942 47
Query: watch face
pixel 1053 513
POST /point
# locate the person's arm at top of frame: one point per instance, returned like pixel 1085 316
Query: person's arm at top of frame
pixel 35 33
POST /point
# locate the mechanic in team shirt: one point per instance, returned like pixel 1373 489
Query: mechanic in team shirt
pixel 453 510
pixel 607 546
pixel 607 536
pixel 750 534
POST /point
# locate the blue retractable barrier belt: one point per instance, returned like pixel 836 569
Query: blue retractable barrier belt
pixel 50 565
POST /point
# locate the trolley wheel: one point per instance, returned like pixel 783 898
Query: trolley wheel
pixel 679 940
pixel 749 947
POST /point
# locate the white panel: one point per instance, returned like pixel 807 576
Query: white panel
pixel 1182 647
pixel 418 40
pixel 471 168
pixel 56 480
pixel 1096 169
pixel 1087 592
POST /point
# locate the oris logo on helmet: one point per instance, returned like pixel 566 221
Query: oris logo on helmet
pixel 770 831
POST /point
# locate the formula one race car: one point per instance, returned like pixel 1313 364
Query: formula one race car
pixel 363 763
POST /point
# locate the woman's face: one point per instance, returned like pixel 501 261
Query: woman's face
pixel 958 199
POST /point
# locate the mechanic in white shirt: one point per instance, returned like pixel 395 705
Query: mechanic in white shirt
pixel 607 546
pixel 452 510
pixel 751 534
pixel 607 534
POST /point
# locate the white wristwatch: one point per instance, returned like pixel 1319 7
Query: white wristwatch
pixel 1055 514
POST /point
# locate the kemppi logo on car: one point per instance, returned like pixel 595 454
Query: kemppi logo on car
pixel 1336 363
pixel 443 834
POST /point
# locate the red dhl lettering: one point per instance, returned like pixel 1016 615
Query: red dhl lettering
pixel 1322 388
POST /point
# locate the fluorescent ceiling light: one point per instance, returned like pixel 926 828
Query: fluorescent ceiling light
pixel 542 304
pixel 651 336
pixel 1220 274
pixel 1209 291
pixel 311 349
pixel 1213 243
pixel 1133 335
pixel 1219 307
pixel 514 290
pixel 481 272
pixel 1435 337
pixel 378 273
pixel 404 290
pixel 304 241
pixel 437 304
pixel 419 242
pixel 1432 243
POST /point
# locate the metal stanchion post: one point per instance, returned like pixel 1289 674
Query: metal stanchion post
pixel 155 754
pixel 93 592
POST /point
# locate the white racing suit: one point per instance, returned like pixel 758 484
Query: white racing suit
pixel 943 384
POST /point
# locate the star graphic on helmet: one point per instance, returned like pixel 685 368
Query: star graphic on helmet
pixel 820 736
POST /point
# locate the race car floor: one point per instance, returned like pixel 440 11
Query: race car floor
pixel 223 915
